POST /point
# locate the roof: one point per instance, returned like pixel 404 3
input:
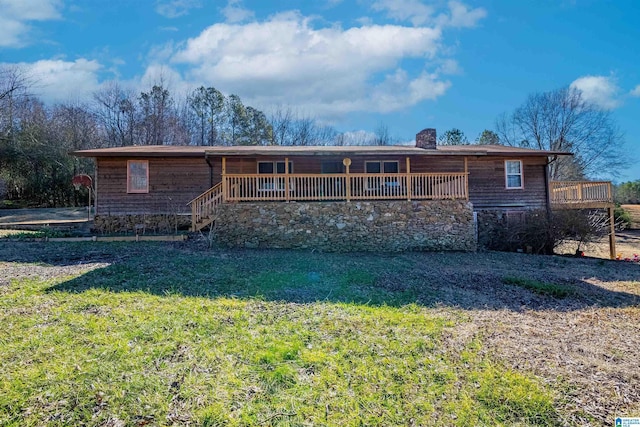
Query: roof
pixel 329 150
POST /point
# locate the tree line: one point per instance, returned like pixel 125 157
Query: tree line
pixel 36 138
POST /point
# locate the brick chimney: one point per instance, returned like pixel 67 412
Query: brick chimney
pixel 426 138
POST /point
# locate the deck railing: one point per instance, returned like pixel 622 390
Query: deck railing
pixel 418 186
pixel 204 206
pixel 581 192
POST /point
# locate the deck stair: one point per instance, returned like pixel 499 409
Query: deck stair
pixel 203 207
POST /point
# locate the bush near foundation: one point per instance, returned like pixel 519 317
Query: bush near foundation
pixel 541 232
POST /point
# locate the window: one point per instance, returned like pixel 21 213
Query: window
pixel 137 176
pixel 332 167
pixel 387 166
pixel 273 167
pixel 515 218
pixel 513 173
pixel 385 183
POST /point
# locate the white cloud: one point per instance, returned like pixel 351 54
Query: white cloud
pixel 462 17
pixel 234 12
pixel 16 15
pixel 600 90
pixel 176 8
pixel 415 11
pixel 59 81
pixel 326 71
pixel 635 92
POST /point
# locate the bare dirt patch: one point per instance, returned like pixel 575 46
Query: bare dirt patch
pixel 627 244
pixel 634 213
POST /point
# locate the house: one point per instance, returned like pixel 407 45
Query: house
pixel 347 198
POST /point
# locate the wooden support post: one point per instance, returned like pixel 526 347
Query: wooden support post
pixel 580 196
pixel 223 171
pixel 286 179
pixel 612 234
pixel 408 179
pixel 347 162
pixel 193 216
pixel 466 178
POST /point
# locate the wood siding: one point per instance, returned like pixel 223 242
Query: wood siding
pixel 173 182
pixel 487 187
pixel 313 164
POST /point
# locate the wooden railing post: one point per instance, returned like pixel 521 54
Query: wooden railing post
pixel 193 217
pixel 224 179
pixel 580 190
pixel 466 179
pixel 612 233
pixel 408 179
pixel 286 179
pixel 347 162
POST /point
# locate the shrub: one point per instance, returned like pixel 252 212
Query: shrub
pixel 541 232
pixel 622 218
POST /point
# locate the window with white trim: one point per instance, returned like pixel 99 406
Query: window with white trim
pixel 137 176
pixel 513 174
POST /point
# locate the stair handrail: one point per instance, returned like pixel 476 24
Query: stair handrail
pixel 205 204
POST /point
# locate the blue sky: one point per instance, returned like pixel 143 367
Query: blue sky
pixel 354 64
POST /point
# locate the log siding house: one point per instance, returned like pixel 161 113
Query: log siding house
pixel 383 182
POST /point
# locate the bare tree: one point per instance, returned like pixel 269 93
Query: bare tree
pixel 562 120
pixel 14 86
pixel 383 137
pixel 291 128
pixel 117 113
pixel 281 122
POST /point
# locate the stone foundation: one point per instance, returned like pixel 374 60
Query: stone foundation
pixel 387 226
pixel 490 222
pixel 140 224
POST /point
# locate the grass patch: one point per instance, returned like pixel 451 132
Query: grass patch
pixel 45 232
pixel 541 288
pixel 296 343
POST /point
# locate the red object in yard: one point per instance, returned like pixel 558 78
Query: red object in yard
pixel 82 180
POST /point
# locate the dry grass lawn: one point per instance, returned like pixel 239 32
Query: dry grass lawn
pixel 568 325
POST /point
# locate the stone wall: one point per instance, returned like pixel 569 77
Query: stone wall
pixel 342 227
pixel 139 224
pixel 490 221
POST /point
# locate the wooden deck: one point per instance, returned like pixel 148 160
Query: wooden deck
pixel 325 187
pixel 581 194
pixel 384 186
pixel 347 187
pixel 586 195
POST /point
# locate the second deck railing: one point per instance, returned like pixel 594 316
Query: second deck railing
pixel 418 186
pixel 581 192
